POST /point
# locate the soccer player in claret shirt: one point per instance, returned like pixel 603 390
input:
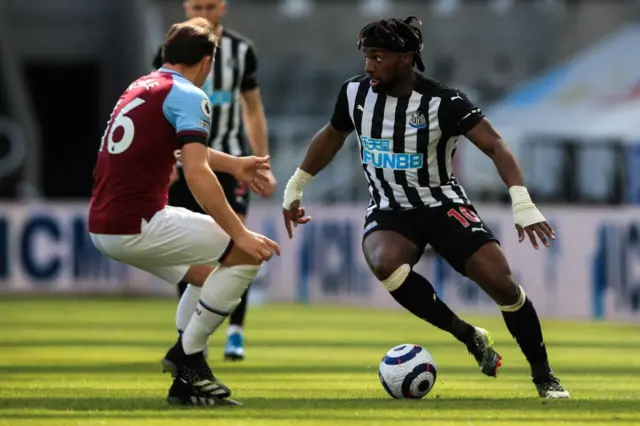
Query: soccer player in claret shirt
pixel 161 116
pixel 408 127
pixel 234 92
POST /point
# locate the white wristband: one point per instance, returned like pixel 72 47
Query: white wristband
pixel 519 195
pixel 525 213
pixel 295 186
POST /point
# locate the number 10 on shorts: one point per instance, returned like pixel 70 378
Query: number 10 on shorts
pixel 464 215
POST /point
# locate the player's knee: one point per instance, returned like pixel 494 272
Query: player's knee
pixel 505 291
pixel 499 285
pixel 244 274
pixel 512 299
pixel 489 268
pixel 386 251
pixel 237 256
pixel 397 278
pixel 227 285
pixel 383 267
pixel 198 274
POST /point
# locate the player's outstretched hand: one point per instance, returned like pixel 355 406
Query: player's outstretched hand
pixel 254 171
pixel 528 219
pixel 295 215
pixel 258 246
pixel 541 230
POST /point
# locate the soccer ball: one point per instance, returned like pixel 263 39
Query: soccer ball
pixel 407 371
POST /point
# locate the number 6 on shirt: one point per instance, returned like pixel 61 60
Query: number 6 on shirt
pixel 128 129
pixel 464 215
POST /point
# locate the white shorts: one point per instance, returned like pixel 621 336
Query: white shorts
pixel 169 244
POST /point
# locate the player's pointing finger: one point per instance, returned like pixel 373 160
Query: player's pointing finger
pixel 287 222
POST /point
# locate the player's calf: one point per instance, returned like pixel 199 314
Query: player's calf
pixel 190 295
pixel 221 292
pixel 220 295
pixel 489 268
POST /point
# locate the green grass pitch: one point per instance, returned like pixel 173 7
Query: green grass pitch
pixel 96 362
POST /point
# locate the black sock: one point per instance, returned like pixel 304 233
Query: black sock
pixel 177 351
pixel 417 295
pixel 524 326
pixel 237 316
pixel 182 287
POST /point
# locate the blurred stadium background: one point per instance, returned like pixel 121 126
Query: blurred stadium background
pixel 559 78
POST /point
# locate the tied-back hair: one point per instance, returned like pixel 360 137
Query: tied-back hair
pixel 399 35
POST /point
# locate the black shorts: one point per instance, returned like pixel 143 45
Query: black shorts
pixel 237 194
pixel 454 231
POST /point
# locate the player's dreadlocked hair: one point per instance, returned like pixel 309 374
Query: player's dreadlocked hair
pixel 396 35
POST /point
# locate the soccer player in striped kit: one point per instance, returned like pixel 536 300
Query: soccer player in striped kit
pixel 408 128
pixel 233 90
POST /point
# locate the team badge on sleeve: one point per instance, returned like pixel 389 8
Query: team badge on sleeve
pixel 205 106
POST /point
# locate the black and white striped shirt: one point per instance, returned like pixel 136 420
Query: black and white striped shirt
pixel 233 73
pixel 407 144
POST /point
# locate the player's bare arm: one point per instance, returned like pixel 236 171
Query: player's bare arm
pixel 249 169
pixel 208 192
pixel 255 124
pixel 527 217
pixel 323 148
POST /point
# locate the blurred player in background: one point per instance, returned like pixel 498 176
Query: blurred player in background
pixel 233 90
pixel 408 127
pixel 129 220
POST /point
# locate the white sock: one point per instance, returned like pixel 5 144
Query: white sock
pixel 220 295
pixel 233 329
pixel 186 306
